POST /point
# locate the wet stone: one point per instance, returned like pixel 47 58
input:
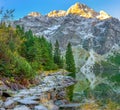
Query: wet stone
pixel 40 107
pixel 21 107
pixel 9 103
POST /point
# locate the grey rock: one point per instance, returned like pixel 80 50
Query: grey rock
pixel 2 108
pixel 26 101
pixel 9 103
pixel 1 103
pixel 71 105
pixel 54 107
pixel 61 95
pixel 21 107
pixel 40 107
pixel 60 102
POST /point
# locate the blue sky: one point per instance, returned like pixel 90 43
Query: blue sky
pixel 23 7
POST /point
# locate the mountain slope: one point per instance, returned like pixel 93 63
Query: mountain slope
pixel 79 25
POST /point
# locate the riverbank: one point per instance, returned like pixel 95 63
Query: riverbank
pixel 48 94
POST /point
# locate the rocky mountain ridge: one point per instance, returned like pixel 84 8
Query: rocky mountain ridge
pixel 34 14
pixel 100 35
pixel 76 9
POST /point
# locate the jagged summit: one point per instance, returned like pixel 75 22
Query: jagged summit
pixel 103 15
pixel 34 14
pixel 80 10
pixel 57 13
pixel 76 9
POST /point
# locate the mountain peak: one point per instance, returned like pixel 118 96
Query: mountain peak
pixel 57 13
pixel 103 15
pixel 76 9
pixel 82 10
pixel 34 14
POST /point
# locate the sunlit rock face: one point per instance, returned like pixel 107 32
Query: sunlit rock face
pixel 82 10
pixel 103 15
pixel 34 14
pixel 76 9
pixel 57 13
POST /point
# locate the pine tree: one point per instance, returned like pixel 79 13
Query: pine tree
pixel 20 31
pixel 70 63
pixel 57 55
pixel 28 49
pixel 46 53
pixel 70 66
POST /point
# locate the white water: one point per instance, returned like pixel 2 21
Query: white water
pixel 87 69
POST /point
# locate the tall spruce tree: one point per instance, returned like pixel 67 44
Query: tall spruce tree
pixel 70 63
pixel 57 55
pixel 70 66
pixel 46 53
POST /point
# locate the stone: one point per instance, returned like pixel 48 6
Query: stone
pixel 53 107
pixel 59 102
pixel 71 106
pixel 2 108
pixel 26 101
pixel 40 107
pixel 9 103
pixel 61 95
pixel 1 103
pixel 21 107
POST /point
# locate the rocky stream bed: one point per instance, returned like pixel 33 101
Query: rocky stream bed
pixel 48 95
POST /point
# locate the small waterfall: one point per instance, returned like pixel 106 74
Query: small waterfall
pixel 87 69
